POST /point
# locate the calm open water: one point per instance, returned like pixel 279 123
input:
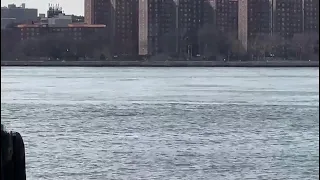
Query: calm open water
pixel 165 123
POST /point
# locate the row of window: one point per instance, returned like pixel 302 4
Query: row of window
pixel 31 29
pixel 27 38
pixel 37 34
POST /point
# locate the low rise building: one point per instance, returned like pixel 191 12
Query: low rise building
pixel 59 20
pixel 21 14
pixel 7 22
pixel 75 31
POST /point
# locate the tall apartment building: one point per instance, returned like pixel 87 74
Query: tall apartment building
pixel 98 11
pixel 156 25
pixel 287 17
pixel 121 19
pixel 125 27
pixel 227 15
pixel 295 16
pixel 254 18
pixel 190 20
pixel 209 13
pixel 311 16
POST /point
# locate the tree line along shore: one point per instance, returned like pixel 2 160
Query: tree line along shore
pixel 212 45
pixel 273 63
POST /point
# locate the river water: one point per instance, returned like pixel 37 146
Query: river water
pixel 165 123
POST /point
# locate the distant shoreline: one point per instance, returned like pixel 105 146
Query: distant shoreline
pixel 274 63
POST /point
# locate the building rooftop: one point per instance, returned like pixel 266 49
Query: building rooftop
pixel 8 18
pixel 28 25
pixel 14 6
pixel 77 25
pixel 87 25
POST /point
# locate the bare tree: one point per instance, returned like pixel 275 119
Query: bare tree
pixel 97 44
pixel 9 40
pixel 208 40
pixel 265 45
pixel 168 43
pixel 237 49
pixel 215 43
pixel 304 45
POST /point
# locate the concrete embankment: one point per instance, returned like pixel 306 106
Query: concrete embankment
pixel 163 63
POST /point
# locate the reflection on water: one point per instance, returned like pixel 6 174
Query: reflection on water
pixel 165 123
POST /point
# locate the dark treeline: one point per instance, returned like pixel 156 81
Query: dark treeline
pixel 212 45
pixel 55 46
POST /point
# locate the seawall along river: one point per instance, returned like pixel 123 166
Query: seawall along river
pixel 164 63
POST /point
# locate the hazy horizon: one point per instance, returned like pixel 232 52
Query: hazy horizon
pixel 69 6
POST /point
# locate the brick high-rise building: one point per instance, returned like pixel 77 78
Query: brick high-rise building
pixel 156 25
pixel 295 16
pixel 121 19
pixel 287 17
pixel 311 16
pixel 209 13
pixel 190 19
pixel 227 15
pixel 125 27
pixel 254 18
pixel 98 11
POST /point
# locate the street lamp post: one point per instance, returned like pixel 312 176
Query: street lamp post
pixel 177 29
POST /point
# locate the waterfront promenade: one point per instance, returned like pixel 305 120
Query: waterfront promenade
pixel 164 63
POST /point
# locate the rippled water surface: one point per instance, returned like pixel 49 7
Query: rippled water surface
pixel 165 123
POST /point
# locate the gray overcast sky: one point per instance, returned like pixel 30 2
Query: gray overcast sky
pixel 69 6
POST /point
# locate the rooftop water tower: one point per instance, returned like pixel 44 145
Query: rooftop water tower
pixel 54 10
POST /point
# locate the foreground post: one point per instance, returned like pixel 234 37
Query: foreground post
pixel 13 166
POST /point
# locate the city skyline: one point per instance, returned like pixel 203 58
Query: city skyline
pixel 69 6
pixel 149 27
